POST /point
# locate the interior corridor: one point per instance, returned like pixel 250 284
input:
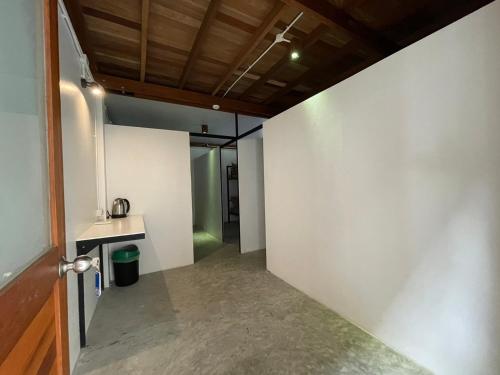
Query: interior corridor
pixel 226 315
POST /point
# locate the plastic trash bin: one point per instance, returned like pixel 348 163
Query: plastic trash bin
pixel 126 265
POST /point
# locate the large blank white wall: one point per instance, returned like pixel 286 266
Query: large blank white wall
pixel 383 197
pixel 151 168
pixel 251 188
pixel 207 193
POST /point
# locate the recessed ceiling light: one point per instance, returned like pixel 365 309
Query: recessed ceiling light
pixel 216 107
pixel 294 55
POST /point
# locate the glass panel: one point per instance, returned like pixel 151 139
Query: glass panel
pixel 24 212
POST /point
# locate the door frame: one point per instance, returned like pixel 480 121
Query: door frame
pixel 26 294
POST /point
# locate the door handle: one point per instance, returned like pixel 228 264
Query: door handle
pixel 80 264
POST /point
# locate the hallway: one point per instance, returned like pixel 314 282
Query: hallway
pixel 226 315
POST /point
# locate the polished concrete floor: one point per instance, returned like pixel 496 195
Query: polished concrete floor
pixel 226 315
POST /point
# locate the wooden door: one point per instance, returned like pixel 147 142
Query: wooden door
pixel 33 305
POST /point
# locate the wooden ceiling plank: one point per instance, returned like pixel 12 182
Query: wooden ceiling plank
pixel 144 37
pixel 332 16
pixel 174 95
pixel 74 9
pixel 110 17
pixel 342 52
pixel 201 36
pixel 307 43
pixel 259 35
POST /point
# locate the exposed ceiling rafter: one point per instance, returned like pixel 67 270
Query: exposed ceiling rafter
pixel 307 43
pixel 173 95
pixel 342 52
pixel 254 41
pixel 332 16
pixel 201 36
pixel 144 37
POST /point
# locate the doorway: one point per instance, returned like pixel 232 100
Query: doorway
pixel 214 181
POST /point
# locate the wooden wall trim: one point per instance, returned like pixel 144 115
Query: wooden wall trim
pixel 56 180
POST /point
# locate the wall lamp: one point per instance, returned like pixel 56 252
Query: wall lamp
pixel 95 88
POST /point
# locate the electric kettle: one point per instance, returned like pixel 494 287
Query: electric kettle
pixel 121 207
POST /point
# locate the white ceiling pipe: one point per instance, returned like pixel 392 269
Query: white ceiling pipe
pixel 84 62
pixel 280 37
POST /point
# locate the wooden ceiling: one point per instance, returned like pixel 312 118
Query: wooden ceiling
pixel 191 51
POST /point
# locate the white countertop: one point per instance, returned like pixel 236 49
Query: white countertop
pixel 126 226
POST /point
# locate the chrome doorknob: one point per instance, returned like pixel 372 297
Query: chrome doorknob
pixel 81 264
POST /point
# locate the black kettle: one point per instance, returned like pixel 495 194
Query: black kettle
pixel 121 207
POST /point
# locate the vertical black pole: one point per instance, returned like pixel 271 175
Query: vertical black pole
pixel 227 195
pixel 101 266
pixel 221 191
pixel 81 310
pixel 236 125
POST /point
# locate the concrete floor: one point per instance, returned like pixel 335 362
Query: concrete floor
pixel 226 315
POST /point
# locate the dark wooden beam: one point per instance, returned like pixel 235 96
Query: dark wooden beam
pixel 254 41
pixel 75 13
pixel 110 17
pixel 144 37
pixel 310 40
pixel 336 56
pixel 173 95
pixel 201 37
pixel 334 17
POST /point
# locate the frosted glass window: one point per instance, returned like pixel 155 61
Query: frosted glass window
pixel 24 212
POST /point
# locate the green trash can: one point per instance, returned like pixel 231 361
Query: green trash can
pixel 126 265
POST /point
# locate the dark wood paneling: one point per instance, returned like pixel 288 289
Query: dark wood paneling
pixel 247 49
pixel 220 38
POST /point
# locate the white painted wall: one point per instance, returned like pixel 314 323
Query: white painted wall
pixel 81 120
pixel 151 168
pixel 251 190
pixel 207 193
pixel 383 197
pixel 195 153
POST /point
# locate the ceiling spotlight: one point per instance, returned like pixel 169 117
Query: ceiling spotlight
pixel 204 129
pixel 216 107
pixel 294 55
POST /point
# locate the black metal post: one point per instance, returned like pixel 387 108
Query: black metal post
pixel 221 191
pixel 206 135
pixel 257 128
pixel 101 266
pixel 238 179
pixel 81 310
